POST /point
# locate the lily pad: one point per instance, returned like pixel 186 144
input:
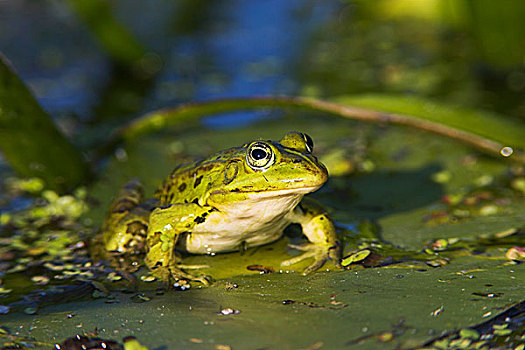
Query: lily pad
pixel 255 303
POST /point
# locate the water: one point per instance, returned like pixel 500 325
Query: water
pixel 240 49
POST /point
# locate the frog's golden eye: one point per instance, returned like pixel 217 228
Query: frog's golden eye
pixel 308 142
pixel 260 156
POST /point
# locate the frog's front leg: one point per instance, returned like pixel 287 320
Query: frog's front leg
pixel 318 227
pixel 166 224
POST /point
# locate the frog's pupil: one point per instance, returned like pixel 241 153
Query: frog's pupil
pixel 258 154
pixel 309 142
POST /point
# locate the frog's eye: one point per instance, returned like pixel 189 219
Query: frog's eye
pixel 260 156
pixel 308 142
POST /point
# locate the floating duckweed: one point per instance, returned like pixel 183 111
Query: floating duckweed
pixel 113 276
pixel 469 333
pixel 5 218
pixel 442 176
pixel 500 326
pixel 483 180
pixel 26 260
pixel 506 233
pixel 461 213
pixel 165 246
pixel 518 184
pixel 429 251
pixel 222 347
pixel 40 280
pixel 356 257
pixel 385 337
pixel 36 250
pixel 17 268
pixel 502 332
pixel 140 298
pixel 50 196
pixel 81 193
pixel 367 166
pixel 148 278
pixel 440 244
pixel 453 240
pixel 454 199
pixel 54 267
pixel 480 345
pixel 488 210
pixel 441 344
pixel 460 343
pixel 71 272
pixel 87 274
pixel 30 185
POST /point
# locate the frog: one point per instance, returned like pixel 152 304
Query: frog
pixel 236 199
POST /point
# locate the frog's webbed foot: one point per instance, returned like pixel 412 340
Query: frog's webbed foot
pixel 174 274
pixel 319 253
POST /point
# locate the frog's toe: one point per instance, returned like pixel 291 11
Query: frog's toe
pixel 307 254
pixel 318 263
pixel 204 279
pixel 320 254
pixel 184 283
pixel 178 274
pixel 310 251
pixel 334 254
pixel 194 267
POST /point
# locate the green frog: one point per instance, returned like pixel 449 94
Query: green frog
pixel 238 198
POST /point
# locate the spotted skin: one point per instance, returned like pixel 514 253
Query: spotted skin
pixel 237 198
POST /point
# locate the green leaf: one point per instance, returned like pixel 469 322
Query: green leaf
pixel 31 142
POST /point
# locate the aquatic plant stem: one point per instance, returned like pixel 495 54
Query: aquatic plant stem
pixel 191 111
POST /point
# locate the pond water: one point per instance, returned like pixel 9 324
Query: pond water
pixel 238 48
pixel 225 48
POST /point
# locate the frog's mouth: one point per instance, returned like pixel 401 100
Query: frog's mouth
pixel 271 193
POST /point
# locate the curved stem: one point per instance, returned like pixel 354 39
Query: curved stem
pixel 191 111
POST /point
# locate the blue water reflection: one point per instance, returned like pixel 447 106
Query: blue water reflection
pixel 245 48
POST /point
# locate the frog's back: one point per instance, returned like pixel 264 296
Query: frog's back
pixel 189 182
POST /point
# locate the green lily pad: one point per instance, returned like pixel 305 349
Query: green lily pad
pixel 403 304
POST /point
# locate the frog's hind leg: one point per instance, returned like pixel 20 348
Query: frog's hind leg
pixel 129 196
pixel 122 238
pixel 167 224
pixel 124 229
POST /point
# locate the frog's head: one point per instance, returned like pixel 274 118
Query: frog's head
pixel 271 169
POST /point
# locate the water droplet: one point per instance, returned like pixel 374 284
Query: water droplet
pixel 506 151
pixel 121 154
